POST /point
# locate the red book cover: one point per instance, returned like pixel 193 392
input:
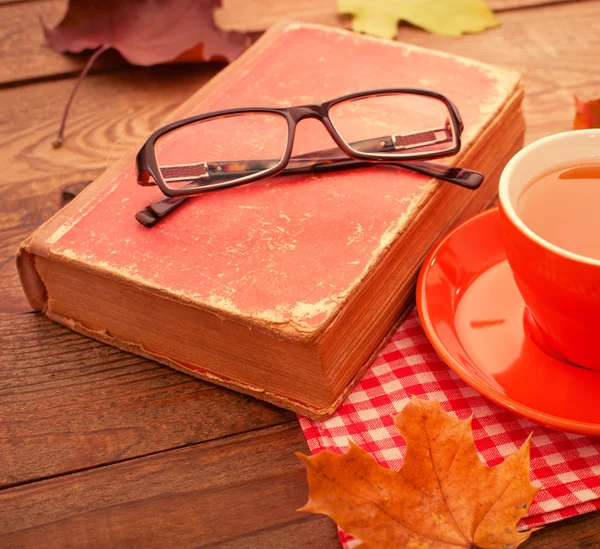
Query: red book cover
pixel 284 255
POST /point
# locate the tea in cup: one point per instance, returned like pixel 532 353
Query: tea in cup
pixel 549 198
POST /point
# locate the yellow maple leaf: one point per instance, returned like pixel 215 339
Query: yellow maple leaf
pixel 447 17
pixel 444 497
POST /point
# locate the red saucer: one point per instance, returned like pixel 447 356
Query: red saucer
pixel 474 316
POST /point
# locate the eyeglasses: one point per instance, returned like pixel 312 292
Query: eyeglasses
pixel 223 149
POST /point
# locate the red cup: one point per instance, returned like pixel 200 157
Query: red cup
pixel 561 289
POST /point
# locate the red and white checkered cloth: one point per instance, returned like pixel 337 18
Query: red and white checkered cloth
pixel 566 466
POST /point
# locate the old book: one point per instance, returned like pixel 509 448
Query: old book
pixel 287 288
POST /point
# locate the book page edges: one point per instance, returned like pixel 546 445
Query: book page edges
pixel 41 241
pixel 295 405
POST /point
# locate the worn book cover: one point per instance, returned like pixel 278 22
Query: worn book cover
pixel 283 288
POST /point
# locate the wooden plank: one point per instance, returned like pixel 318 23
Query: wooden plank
pixel 23 208
pixel 15 1
pixel 69 403
pixel 241 491
pixel 25 55
pixel 582 532
pixel 505 5
pixel 112 114
pixel 258 15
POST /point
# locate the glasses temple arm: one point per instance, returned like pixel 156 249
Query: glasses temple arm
pixel 463 177
pixel 153 213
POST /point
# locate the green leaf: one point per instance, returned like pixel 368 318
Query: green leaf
pixel 446 17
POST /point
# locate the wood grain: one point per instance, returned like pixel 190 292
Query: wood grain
pixel 23 49
pixel 80 404
pixel 242 491
pixel 506 5
pixel 68 403
pixel 113 114
pixel 15 1
pixel 258 15
pixel 23 208
pixel 582 532
pixel 26 56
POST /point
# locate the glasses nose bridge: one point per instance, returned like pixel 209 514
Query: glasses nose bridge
pixel 306 111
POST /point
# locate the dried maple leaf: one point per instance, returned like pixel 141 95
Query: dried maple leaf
pixel 444 497
pixel 145 32
pixel 447 17
pixel 587 114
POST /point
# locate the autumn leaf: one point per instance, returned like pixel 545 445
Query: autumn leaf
pixel 145 32
pixel 587 114
pixel 447 17
pixel 444 497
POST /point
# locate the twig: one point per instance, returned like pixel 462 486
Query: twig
pixel 59 138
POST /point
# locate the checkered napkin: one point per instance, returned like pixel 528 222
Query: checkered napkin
pixel 566 466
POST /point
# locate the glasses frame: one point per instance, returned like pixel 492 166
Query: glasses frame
pixel 147 163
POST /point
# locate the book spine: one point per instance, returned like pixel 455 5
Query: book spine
pixel 33 286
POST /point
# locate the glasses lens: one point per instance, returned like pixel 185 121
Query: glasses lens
pixel 224 149
pixel 397 125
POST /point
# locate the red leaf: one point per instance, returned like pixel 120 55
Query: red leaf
pixel 145 32
pixel 587 114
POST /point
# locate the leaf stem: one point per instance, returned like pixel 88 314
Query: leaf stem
pixel 59 138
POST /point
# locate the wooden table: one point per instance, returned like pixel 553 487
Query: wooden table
pixel 99 448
